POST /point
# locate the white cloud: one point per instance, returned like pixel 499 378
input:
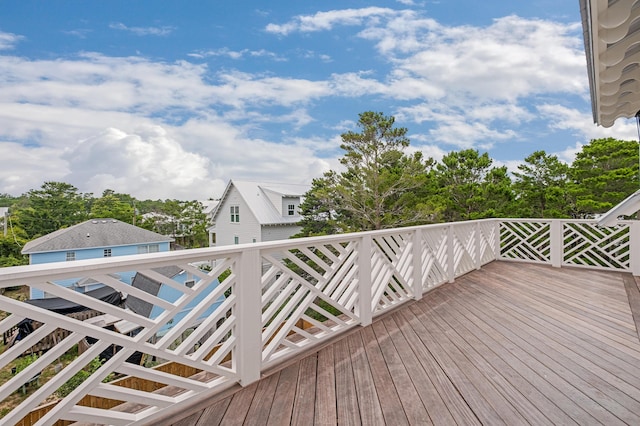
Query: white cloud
pixel 581 123
pixel 324 21
pixel 145 163
pixel 237 54
pixel 9 40
pixel 143 31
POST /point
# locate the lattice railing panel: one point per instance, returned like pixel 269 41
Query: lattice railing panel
pixel 464 247
pixel 185 321
pixel 525 240
pixel 586 244
pixel 487 237
pixel 309 293
pixel 391 270
pixel 435 259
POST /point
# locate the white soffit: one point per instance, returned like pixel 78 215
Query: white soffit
pixel 612 46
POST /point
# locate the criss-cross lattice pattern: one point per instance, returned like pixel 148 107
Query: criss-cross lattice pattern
pixel 186 320
pixel 215 317
pixel 308 292
pixel 586 244
pixel 528 240
pixel 391 269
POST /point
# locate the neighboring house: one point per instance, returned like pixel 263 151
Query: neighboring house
pixel 89 240
pixel 250 212
pixel 4 212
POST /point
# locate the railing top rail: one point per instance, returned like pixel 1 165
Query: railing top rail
pixel 28 273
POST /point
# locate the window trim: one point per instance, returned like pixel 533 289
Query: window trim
pixel 234 211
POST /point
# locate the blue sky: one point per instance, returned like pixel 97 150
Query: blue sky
pixel 165 99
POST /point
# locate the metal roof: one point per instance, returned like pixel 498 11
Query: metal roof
pixel 612 46
pixel 255 195
pixel 92 234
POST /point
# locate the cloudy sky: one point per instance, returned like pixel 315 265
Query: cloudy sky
pixel 166 99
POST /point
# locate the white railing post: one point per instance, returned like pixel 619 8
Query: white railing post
pixel 497 240
pixel 556 245
pixel 634 247
pixel 478 240
pixel 417 265
pixel 451 263
pixel 249 351
pixel 364 280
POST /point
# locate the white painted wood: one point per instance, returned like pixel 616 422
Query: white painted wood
pixel 248 353
pixel 365 311
pixel 360 275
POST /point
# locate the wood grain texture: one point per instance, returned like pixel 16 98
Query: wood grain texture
pixel 511 343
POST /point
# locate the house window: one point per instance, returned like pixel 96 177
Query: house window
pixel 236 240
pixel 106 252
pixel 71 255
pixel 291 208
pixel 235 214
pixel 149 248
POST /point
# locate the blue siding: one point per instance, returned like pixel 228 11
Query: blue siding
pixel 91 253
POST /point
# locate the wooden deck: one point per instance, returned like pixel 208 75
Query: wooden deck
pixel 510 344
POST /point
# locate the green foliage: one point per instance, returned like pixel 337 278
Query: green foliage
pixel 469 188
pixel 25 361
pixel 542 186
pixel 54 206
pixel 604 173
pixel 111 207
pixel 77 379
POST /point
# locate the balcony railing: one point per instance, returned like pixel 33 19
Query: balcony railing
pixel 253 306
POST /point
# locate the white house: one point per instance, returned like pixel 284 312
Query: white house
pixel 250 212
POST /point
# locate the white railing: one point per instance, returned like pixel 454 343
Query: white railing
pixel 259 305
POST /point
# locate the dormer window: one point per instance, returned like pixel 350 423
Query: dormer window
pixel 291 208
pixel 235 214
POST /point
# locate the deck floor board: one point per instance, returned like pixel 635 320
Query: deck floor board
pixel 512 343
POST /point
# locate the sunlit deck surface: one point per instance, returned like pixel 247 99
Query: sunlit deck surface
pixel 511 344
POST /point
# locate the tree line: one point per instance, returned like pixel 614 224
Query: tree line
pixel 57 205
pixel 383 184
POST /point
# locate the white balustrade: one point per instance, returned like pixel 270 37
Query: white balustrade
pixel 256 306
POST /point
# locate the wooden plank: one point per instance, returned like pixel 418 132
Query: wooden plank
pixel 213 415
pixel 530 402
pixel 346 394
pixel 605 356
pixel 240 402
pixel 370 412
pixel 511 355
pixel 419 397
pixel 326 406
pixel 305 397
pixel 483 393
pixel 190 420
pixel 611 343
pixel 284 397
pixel 456 400
pixel 393 410
pixel 260 408
pixel 531 346
pixel 633 294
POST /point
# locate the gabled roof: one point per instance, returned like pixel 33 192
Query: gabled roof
pixel 612 47
pixel 92 234
pixel 255 195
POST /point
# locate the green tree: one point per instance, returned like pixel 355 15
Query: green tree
pixel 110 206
pixel 375 190
pixel 319 208
pixel 470 188
pixel 604 173
pixel 55 205
pixel 541 186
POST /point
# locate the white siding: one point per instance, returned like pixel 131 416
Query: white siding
pixel 246 230
pixel 279 232
pixel 286 201
pixel 275 199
